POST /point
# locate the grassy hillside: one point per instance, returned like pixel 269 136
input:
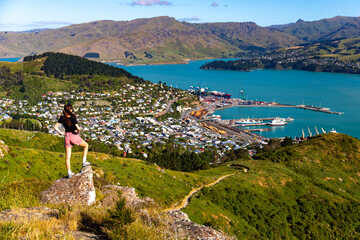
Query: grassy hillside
pixel 163 38
pixel 249 36
pixel 59 72
pixel 33 160
pixel 345 50
pixel 41 157
pixel 305 191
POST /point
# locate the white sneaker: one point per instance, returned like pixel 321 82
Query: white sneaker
pixel 71 175
pixel 86 164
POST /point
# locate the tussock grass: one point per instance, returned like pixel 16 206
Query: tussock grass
pixel 34 230
pixel 24 193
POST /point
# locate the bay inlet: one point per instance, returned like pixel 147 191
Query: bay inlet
pixel 340 92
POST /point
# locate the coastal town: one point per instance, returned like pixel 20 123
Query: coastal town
pixel 134 117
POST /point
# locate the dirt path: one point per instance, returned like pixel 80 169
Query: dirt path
pixel 185 201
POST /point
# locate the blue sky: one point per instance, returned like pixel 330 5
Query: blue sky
pixel 18 15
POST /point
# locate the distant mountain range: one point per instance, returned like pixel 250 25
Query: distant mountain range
pixel 323 30
pixel 164 39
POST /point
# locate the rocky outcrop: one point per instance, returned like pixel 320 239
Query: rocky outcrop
pixel 28 214
pixel 180 221
pixel 77 190
pixel 111 196
pixel 182 224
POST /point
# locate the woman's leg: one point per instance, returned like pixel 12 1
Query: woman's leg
pixel 67 159
pixel 85 145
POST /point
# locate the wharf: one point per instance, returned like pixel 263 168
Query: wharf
pixel 228 130
pixel 250 124
pixel 258 130
pixel 232 122
pixel 318 109
pixel 239 103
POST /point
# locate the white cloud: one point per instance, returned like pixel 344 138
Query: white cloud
pixel 214 4
pixel 48 23
pixel 33 25
pixel 192 19
pixel 150 3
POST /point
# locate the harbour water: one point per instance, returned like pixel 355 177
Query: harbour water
pixel 340 92
pixel 9 59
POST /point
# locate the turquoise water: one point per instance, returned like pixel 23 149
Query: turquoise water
pixel 9 59
pixel 340 92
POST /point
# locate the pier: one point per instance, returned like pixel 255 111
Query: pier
pixel 218 103
pixel 318 109
pixel 258 130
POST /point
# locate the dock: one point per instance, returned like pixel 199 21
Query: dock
pixel 227 130
pixel 213 106
pixel 318 109
pixel 232 122
pixel 258 130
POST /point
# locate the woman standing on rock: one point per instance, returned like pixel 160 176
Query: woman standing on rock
pixel 72 129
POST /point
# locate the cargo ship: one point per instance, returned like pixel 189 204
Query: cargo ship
pixel 220 94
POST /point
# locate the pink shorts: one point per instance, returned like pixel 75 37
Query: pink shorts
pixel 72 139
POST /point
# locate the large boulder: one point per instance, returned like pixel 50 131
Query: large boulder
pixel 77 190
pixel 110 193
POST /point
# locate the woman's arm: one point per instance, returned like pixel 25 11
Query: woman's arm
pixel 78 128
pixel 56 127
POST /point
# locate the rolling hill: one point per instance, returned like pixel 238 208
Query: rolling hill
pixel 162 38
pixel 324 29
pixel 304 191
pixel 308 190
pixel 250 36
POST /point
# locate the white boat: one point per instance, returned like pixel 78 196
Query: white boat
pixel 333 131
pixel 215 116
pixel 247 121
pixel 286 119
pixel 277 122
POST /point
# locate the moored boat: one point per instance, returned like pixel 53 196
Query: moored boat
pixel 277 122
pixel 333 131
pixel 247 121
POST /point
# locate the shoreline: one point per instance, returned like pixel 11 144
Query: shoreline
pixel 184 61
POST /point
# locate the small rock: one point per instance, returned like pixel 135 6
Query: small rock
pixel 182 224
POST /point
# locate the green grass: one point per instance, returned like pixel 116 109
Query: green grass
pixel 14 66
pixel 305 195
pixel 41 156
pixel 34 66
pixel 308 190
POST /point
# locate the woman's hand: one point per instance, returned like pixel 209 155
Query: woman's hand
pixel 78 128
